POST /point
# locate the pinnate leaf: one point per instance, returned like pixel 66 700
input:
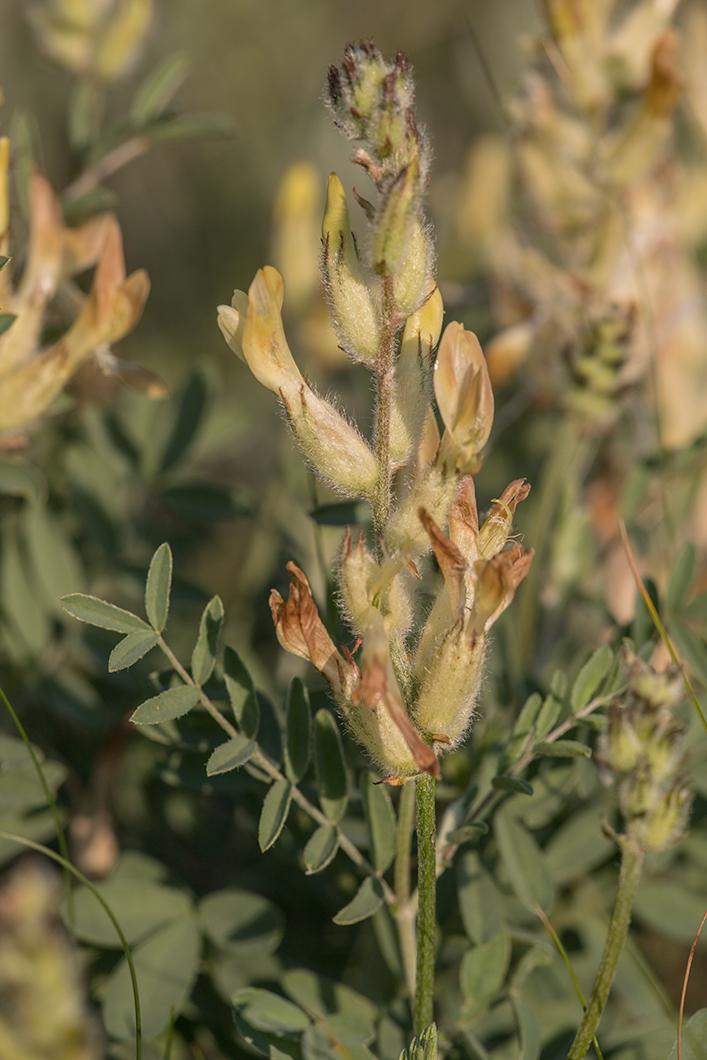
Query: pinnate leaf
pixel 590 677
pixel 131 648
pixel 167 705
pixel 100 613
pixel 158 587
pixel 203 658
pixel 367 900
pixel 524 862
pixel 298 749
pixel 230 755
pixel 381 822
pixel 276 807
pixel 321 848
pixel 241 692
pixel 331 769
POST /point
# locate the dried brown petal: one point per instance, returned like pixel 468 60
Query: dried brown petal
pixel 301 631
pixel 451 562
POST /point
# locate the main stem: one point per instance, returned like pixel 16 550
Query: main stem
pixel 629 878
pixel 427 902
pixel 385 376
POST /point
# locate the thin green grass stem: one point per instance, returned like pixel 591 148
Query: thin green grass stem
pixel 40 848
pixel 568 965
pixel 54 809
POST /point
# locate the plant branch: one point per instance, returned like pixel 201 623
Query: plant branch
pixel 427 902
pixel 126 152
pixel 274 773
pixel 629 878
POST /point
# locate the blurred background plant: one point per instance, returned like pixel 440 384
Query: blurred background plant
pixel 567 199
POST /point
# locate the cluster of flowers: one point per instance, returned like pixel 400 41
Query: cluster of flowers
pixel 404 705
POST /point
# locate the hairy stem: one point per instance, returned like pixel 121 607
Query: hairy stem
pixel 629 878
pixel 268 767
pixel 405 911
pixel 427 902
pixel 385 378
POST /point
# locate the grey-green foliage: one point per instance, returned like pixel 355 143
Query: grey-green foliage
pixel 523 833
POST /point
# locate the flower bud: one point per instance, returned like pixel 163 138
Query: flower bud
pixel 393 230
pixel 377 713
pixel 350 301
pixel 334 447
pixel 365 583
pixel 357 568
pixel 449 686
pixel 641 755
pixel 412 277
pixel 410 405
pixel 497 525
pixel 464 396
pixel 93 36
pixel 373 101
pixel 666 825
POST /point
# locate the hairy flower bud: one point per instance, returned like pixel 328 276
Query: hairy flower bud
pixel 451 650
pixel 641 753
pixel 334 447
pixel 352 308
pixel 412 277
pixel 394 224
pixel 365 583
pixel 464 396
pixel 412 378
pixel 377 714
pixel 372 100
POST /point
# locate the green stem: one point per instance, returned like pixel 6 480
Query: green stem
pixel 629 878
pixel 405 910
pixel 427 902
